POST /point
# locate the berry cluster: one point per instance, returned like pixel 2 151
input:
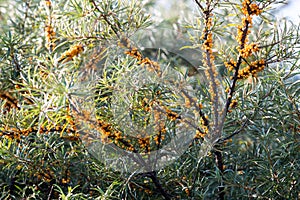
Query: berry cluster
pixel 231 65
pixel 49 30
pixel 233 103
pixel 50 36
pixel 251 69
pixel 250 8
pixel 10 101
pixel 48 3
pixel 72 52
pixel 248 50
pixel 143 61
pixel 204 126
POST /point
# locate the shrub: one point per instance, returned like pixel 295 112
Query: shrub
pixel 99 100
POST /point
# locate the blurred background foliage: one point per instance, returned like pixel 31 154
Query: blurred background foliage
pixel 41 155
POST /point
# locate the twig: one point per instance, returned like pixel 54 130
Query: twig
pixel 236 73
pixel 50 193
pixel 153 176
pixel 105 18
pixel 220 165
pixel 199 5
pixel 234 133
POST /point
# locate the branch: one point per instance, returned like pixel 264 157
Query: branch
pixel 153 176
pixel 234 133
pixel 199 5
pixel 105 18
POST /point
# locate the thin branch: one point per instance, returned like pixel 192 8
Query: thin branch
pixel 220 165
pixel 153 176
pixel 199 5
pixel 234 133
pixel 105 19
pixel 50 193
pixel 235 77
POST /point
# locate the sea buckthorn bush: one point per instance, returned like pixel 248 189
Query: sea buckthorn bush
pixel 232 102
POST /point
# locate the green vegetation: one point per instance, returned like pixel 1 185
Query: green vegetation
pixel 80 76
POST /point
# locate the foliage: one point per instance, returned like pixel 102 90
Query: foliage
pixel 235 93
